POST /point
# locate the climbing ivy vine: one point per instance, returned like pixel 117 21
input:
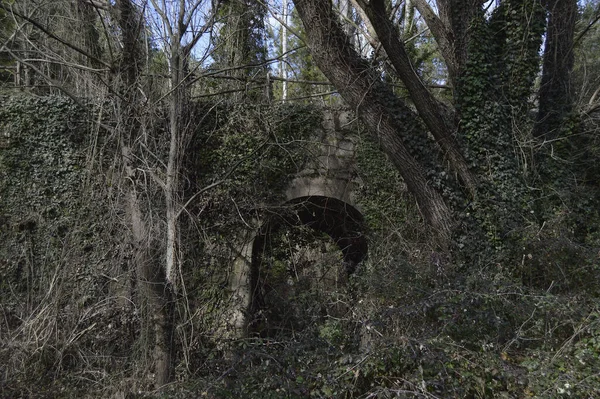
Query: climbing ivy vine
pixel 253 150
pixel 494 91
pixel 41 176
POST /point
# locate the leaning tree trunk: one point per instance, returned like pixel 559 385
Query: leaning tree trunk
pixel 429 109
pixel 375 104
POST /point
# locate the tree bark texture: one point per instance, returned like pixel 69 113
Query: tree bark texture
pixel 430 110
pixel 375 104
pixel 155 297
pixel 171 188
pixel 555 98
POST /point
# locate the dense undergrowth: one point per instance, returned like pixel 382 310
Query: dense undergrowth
pixel 521 321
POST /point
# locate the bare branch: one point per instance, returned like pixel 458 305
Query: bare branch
pixel 588 27
pixel 162 14
pixel 372 35
pixel 369 34
pixel 197 36
pixel 282 22
pixel 316 95
pixel 64 63
pixel 440 33
pixel 192 11
pixel 53 36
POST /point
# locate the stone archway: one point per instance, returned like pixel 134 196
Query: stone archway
pixel 301 259
pixel 320 199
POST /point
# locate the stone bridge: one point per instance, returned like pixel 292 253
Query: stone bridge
pixel 320 197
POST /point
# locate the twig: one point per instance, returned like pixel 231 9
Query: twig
pixel 53 36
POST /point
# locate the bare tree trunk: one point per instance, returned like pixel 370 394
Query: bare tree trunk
pixel 172 173
pixel 176 22
pixel 154 293
pixel 364 91
pixel 153 288
pixel 441 33
pixel 171 192
pixel 284 49
pixel 372 35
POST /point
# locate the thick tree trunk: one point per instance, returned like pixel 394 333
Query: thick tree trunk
pixel 555 98
pixel 375 104
pixel 429 108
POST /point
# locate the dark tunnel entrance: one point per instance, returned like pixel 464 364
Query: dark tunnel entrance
pixel 301 260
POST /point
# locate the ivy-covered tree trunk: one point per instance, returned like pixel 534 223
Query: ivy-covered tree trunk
pixel 450 27
pixel 240 52
pixel 555 96
pixel 492 102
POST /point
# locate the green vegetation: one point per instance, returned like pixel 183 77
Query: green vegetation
pixel 124 152
pixel 522 323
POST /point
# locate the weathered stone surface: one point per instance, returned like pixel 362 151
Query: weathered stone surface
pixel 330 174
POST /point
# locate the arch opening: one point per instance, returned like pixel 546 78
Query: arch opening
pixel 301 260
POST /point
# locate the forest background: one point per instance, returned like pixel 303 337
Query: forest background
pixel 141 141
